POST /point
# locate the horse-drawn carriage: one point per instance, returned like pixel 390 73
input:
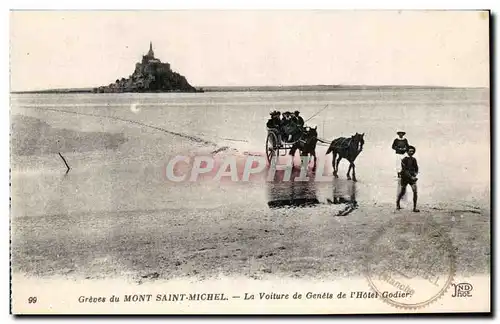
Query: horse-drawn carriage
pixel 275 144
pixel 344 147
pixel 305 141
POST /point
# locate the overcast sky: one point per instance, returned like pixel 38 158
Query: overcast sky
pixel 79 49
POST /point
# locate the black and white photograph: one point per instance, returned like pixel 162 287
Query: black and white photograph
pixel 250 161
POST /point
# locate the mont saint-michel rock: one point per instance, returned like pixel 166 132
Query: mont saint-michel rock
pixel 150 75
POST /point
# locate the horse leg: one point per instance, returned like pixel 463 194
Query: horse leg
pixel 313 154
pixel 304 158
pixel 291 153
pixel 337 167
pixel 333 161
pixel 354 172
pixel 348 171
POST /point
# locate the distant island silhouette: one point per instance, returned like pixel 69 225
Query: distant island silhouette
pixel 150 75
pixel 319 87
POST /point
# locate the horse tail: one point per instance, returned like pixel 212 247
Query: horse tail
pixel 335 144
pixel 330 149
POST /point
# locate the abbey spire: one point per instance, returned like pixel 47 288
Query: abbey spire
pixel 151 54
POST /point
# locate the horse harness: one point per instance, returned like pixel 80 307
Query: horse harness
pixel 345 142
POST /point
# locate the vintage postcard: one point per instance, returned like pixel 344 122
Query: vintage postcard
pixel 250 162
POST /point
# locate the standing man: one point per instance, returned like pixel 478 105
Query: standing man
pixel 400 145
pixel 409 171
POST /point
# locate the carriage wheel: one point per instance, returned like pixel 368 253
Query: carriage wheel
pixel 271 146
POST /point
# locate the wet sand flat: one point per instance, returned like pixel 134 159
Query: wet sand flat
pixel 115 215
pixel 297 242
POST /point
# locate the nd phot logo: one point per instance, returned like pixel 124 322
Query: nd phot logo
pixel 462 290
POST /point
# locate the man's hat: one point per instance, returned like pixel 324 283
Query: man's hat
pixel 401 132
pixel 296 112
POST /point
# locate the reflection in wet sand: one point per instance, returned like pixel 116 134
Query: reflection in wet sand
pixel 297 193
pixel 344 192
pixel 292 192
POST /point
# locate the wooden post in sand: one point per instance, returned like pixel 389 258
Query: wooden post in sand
pixel 66 163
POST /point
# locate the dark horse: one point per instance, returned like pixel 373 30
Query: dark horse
pixel 306 144
pixel 349 149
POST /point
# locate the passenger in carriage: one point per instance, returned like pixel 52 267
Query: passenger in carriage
pixel 300 120
pixel 285 122
pixel 279 124
pixel 290 127
pixel 274 121
pixel 271 120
